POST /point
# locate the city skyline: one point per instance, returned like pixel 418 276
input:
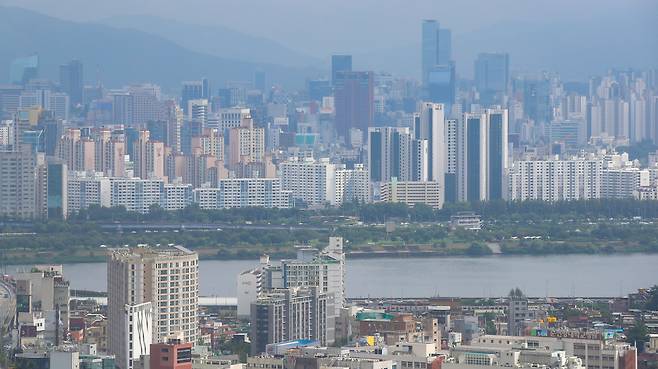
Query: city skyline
pixel 267 187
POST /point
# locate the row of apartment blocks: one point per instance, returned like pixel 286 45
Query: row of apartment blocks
pixel 139 195
pixel 607 176
pixel 34 186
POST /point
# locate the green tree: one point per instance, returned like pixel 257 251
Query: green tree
pixel 638 334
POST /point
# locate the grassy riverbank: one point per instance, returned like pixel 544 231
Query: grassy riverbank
pixel 508 229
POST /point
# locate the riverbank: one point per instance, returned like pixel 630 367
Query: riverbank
pixel 415 251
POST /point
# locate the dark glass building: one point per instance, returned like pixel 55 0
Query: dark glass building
pixel 354 101
pixel 71 81
pixel 340 63
pixel 492 77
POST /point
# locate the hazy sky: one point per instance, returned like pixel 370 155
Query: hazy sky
pixel 321 27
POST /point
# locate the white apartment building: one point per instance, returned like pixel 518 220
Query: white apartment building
pixel 242 192
pixel 176 196
pixel 351 185
pixel 136 194
pixel 555 180
pixel 324 269
pixel 168 279
pixel 246 143
pixel 621 183
pixel 312 181
pixel 18 179
pixel 646 193
pixel 312 268
pixel 411 193
pixel 85 190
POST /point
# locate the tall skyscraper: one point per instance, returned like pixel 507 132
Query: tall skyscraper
pixel 152 294
pixel 56 189
pixel 71 81
pixel 340 63
pixel 389 153
pixel 436 47
pixel 21 70
pixel 450 182
pixel 472 158
pixel 444 48
pixel 429 43
pixel 482 158
pixel 431 127
pixel 354 101
pixel 260 80
pixel 441 84
pixel 492 77
pixel 497 157
pixel 174 121
pixel 536 99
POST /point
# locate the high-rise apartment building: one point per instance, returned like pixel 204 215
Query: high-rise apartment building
pixel 450 181
pixel 309 180
pixel 482 156
pixel 109 151
pixel 173 118
pixel 290 314
pixel 430 126
pixel 242 192
pixel 396 152
pixel 389 153
pixel 246 143
pixel 323 269
pixel 149 157
pixel 351 185
pixel 18 184
pixel 555 179
pixel 497 153
pixel 472 158
pixel 412 193
pixel 136 194
pixel 161 284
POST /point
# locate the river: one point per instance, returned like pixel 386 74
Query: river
pixel 559 275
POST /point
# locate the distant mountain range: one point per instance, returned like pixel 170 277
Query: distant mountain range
pixel 129 49
pixel 215 40
pixel 118 56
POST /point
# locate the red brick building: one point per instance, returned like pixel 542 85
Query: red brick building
pixel 171 355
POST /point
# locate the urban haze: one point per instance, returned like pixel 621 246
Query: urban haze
pixel 372 184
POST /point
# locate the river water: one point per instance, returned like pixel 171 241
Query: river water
pixel 559 276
